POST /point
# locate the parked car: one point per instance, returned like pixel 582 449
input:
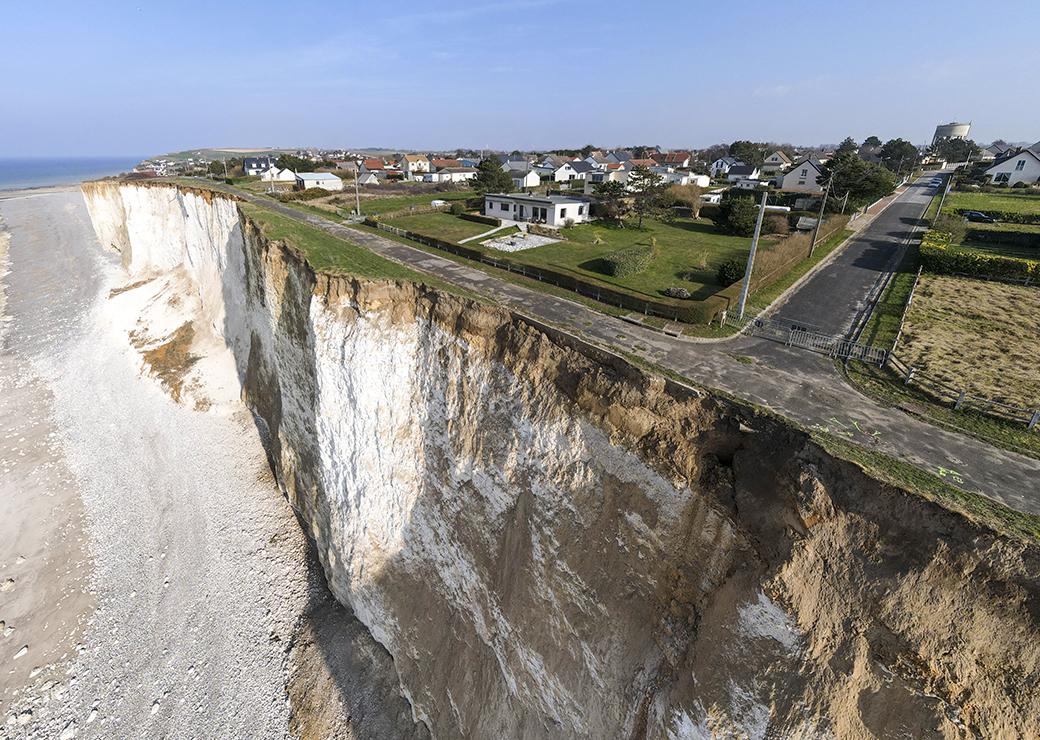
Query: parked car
pixel 979 217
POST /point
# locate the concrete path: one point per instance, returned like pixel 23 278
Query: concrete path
pixel 795 383
pixel 486 233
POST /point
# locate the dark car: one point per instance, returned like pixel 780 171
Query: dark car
pixel 979 217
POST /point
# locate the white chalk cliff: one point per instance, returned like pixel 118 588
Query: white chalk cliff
pixel 552 543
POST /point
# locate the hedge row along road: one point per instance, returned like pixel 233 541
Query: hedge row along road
pixel 803 386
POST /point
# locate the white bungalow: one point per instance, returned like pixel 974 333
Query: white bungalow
pixel 551 210
pixel 323 180
pixel 273 174
pixel 527 179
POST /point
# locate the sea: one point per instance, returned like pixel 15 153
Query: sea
pixel 24 172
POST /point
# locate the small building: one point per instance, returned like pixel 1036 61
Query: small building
pixel 527 179
pixel 440 164
pixel 619 156
pixel 551 210
pixel 714 197
pixel 373 164
pixel 371 178
pixel 323 180
pixel 778 161
pixel 740 172
pixel 451 174
pixel 1022 166
pixel 802 176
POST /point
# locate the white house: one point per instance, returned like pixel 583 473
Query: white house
pixel 801 178
pixel 273 174
pixel 721 165
pixel 256 165
pixel 323 180
pixel 1022 166
pixel 739 172
pixel 714 197
pixel 413 166
pixel 527 179
pixel 551 210
pixel 778 161
pixel 565 172
pixel 672 159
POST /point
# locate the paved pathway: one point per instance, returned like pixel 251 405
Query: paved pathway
pixel 796 383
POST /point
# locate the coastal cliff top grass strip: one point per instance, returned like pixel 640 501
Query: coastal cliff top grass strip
pixel 331 254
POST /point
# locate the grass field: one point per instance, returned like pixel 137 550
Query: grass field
pixel 371 206
pixel 1008 202
pixel 983 336
pixel 442 225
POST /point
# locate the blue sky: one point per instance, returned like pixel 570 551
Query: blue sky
pixel 146 77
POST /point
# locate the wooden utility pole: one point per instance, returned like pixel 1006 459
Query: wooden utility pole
pixel 357 192
pixel 751 258
pixel 819 218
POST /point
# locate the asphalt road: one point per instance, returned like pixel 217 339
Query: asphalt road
pixel 795 383
pixel 836 296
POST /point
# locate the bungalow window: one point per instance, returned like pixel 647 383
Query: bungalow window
pixel 505 206
pixel 804 173
pixel 563 213
pixel 581 210
pixel 1020 166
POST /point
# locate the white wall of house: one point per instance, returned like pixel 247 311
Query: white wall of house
pixel 801 178
pixel 540 210
pixel 564 173
pixel 276 175
pixel 1024 167
pixel 526 179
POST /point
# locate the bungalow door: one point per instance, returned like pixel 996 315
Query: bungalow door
pixel 521 213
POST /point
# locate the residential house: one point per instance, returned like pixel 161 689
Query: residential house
pixel 739 172
pixel 721 166
pixel 516 165
pixel 583 168
pixel 346 165
pixel 373 164
pixel 613 172
pixel 778 161
pixel 323 180
pixel 273 174
pixel 551 210
pixel 565 172
pixel 440 164
pixel 597 160
pixel 673 159
pixel 801 177
pixel 633 163
pixel 1022 166
pixel 413 165
pixel 256 165
pixel 464 162
pixel 619 156
pixel 714 197
pixel 527 179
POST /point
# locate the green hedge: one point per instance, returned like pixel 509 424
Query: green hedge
pixel 1011 217
pixel 1013 238
pixel 489 220
pixel 938 256
pixel 629 261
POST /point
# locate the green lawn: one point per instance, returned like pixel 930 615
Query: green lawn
pixel 371 206
pixel 685 246
pixel 440 225
pixel 1009 202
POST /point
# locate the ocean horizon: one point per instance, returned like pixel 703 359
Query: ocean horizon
pixel 36 172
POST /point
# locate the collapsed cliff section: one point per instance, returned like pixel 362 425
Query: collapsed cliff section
pixel 551 542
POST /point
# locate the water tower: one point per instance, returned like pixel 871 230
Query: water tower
pixel 952 130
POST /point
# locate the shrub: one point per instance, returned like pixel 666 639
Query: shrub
pixel 568 223
pixel 678 292
pixel 628 261
pixel 739 215
pixel 729 272
pixel 937 256
pixel 457 208
pixel 1020 184
pixel 776 224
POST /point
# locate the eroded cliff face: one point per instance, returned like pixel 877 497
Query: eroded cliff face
pixel 551 543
